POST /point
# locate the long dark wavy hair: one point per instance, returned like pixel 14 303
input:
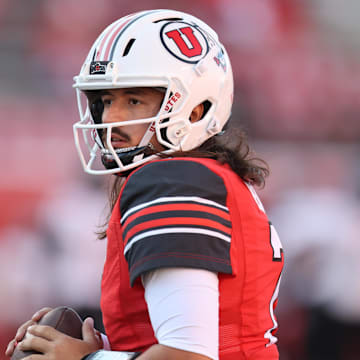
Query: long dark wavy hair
pixel 229 148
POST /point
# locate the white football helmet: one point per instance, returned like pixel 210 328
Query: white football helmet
pixel 164 49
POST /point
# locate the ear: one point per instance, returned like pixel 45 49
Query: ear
pixel 197 113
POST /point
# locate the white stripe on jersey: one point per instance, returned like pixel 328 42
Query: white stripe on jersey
pixel 195 199
pixel 175 230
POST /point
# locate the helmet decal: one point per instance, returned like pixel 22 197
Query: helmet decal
pixel 98 67
pixel 184 41
pixel 220 60
pixel 172 100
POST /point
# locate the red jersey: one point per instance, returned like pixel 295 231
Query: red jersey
pixel 191 212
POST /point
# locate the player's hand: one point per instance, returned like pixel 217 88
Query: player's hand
pixel 23 328
pixel 54 345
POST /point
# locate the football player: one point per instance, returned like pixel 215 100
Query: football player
pixel 193 264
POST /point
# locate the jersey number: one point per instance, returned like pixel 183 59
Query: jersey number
pixel 269 333
pixel 277 256
pixel 275 243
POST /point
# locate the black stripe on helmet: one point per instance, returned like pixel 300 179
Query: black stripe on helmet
pixel 127 25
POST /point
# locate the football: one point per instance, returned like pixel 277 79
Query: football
pixel 63 319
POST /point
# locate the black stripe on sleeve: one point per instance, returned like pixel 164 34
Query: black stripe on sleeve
pixel 197 251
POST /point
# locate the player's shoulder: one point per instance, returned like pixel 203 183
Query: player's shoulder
pixel 185 170
pixel 174 177
pixel 178 166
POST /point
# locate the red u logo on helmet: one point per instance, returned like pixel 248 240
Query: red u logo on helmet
pixel 194 50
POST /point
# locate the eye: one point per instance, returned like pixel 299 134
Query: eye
pixel 133 101
pixel 107 101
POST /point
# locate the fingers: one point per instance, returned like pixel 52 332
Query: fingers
pixel 39 314
pixel 32 342
pixel 22 330
pixel 10 348
pixel 35 318
pixel 88 331
pixel 91 335
pixel 44 331
pixel 18 337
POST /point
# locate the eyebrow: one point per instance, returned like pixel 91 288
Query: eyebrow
pixel 134 91
pixel 127 91
pixel 104 92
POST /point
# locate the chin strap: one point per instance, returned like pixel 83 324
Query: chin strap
pixel 145 141
pixel 126 157
pixel 131 154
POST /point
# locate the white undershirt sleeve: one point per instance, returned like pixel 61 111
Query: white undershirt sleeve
pixel 183 305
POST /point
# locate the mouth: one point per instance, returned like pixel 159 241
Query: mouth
pixel 117 140
pixel 118 143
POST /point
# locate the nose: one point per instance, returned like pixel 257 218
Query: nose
pixel 113 114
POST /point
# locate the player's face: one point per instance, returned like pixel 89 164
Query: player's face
pixel 130 104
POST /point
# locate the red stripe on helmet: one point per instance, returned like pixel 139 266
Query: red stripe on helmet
pixel 100 48
pixel 114 35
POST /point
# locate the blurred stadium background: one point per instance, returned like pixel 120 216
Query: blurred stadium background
pixel 297 70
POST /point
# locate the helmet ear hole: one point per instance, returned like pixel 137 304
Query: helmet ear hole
pixel 207 105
